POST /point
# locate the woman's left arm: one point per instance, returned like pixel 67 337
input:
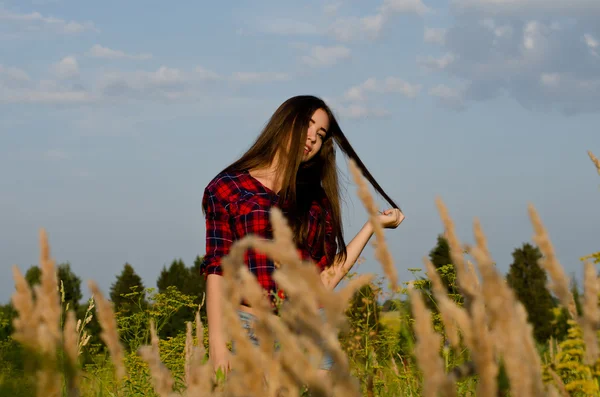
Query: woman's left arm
pixel 331 277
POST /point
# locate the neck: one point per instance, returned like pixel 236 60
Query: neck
pixel 268 175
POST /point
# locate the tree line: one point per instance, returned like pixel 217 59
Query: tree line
pixel 525 276
pixel 127 294
pixel 527 279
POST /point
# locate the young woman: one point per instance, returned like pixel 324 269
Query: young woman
pixel 291 165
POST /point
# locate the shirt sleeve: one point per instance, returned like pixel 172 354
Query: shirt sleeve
pixel 330 243
pixel 218 232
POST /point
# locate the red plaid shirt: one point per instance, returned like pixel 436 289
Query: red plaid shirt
pixel 237 205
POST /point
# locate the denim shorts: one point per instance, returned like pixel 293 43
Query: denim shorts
pixel 247 319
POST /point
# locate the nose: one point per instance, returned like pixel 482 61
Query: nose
pixel 312 134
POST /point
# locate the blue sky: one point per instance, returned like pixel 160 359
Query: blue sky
pixel 115 115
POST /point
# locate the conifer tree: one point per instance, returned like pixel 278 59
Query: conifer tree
pixel 71 285
pixel 188 281
pixel 33 275
pixel 126 283
pixel 70 281
pixel 442 260
pixel 528 280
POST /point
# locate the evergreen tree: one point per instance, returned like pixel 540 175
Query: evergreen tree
pixel 71 283
pixel 188 281
pixel 128 282
pixel 7 316
pixel 195 284
pixel 442 260
pixel 33 275
pixel 528 280
pixel 576 295
pixel 176 275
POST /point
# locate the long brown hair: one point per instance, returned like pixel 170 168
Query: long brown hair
pixel 303 183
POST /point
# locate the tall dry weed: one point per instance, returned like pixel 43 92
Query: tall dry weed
pixel 492 325
pixel 38 327
pixel 594 160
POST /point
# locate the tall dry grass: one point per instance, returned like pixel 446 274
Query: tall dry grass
pixel 492 325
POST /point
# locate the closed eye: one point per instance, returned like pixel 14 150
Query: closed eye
pixel 320 129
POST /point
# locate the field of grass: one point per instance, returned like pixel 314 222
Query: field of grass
pixel 476 344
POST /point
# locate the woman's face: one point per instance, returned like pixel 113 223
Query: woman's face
pixel 317 130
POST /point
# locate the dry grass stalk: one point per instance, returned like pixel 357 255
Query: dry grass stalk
pixel 26 323
pixel 473 326
pixel 559 383
pixel 71 348
pixel 198 375
pixel 590 320
pixel 299 328
pixel 189 351
pixel 49 380
pixel 249 361
pixel 82 335
pixel 37 325
pixel 109 334
pixel 467 282
pixel 382 253
pixel 508 326
pixel 474 320
pixel 161 377
pixel 70 337
pixel 594 160
pixel 427 347
pixel 49 300
pixel 439 292
pixel 559 283
pixel 485 351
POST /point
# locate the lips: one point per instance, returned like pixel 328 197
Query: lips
pixel 307 149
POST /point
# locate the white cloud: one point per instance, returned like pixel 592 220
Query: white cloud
pixel 393 84
pixel 64 86
pixel 98 51
pixel 405 7
pixel 590 41
pixel 165 83
pixel 520 7
pixel 449 97
pixel 437 63
pixel 332 8
pixel 208 75
pixel 35 21
pixel 389 85
pixel 175 84
pixel 40 96
pixel 434 35
pixel 67 68
pixel 592 44
pixel 11 77
pixel 550 79
pixel 321 56
pixel 535 36
pixel 16 86
pixel 344 28
pixel 290 27
pixel 349 28
pixel 525 50
pixel 359 111
pixel 498 31
pixel 258 77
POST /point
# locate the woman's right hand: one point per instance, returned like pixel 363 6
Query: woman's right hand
pixel 220 359
pixel 217 345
